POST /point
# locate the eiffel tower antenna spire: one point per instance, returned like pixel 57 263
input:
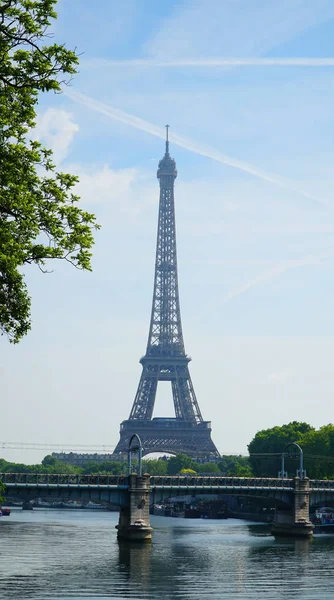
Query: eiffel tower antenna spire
pixel 167 140
pixel 165 358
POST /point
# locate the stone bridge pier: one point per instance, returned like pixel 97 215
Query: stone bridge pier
pixel 295 521
pixel 134 515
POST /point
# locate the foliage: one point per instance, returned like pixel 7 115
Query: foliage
pixel 39 216
pixel 175 465
pixel 51 465
pixel 155 466
pixel 188 472
pixel 318 448
pixel 275 440
pixel 2 492
pixel 104 468
pixel 238 466
pixel 208 468
pixel 179 462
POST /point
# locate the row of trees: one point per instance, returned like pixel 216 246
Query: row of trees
pixel 264 457
pixel 230 465
pixel 55 467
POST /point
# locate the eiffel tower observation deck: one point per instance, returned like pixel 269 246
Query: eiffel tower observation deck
pixel 165 358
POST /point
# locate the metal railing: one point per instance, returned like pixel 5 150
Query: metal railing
pixel 221 482
pixel 41 479
pixel 63 479
pixel 322 484
pixel 156 481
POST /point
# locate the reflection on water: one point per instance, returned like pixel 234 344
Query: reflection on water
pixel 75 554
pixel 135 564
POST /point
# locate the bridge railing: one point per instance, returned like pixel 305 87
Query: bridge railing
pixel 322 484
pixel 159 481
pixel 62 479
pixel 214 481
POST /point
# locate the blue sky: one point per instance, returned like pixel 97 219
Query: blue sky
pixel 251 115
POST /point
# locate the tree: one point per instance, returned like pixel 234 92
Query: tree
pixel 208 468
pixel 155 466
pixel 2 491
pixel 48 465
pixel 238 466
pixel 105 468
pixel 318 448
pixel 273 441
pixel 39 215
pixel 179 462
pixel 188 472
pixel 49 461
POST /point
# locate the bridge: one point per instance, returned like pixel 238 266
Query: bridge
pixel 104 487
pixel 135 493
pixel 77 486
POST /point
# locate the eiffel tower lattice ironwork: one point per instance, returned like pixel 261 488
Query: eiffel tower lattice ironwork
pixel 165 358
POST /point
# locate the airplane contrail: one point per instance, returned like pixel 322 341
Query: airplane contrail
pixel 188 144
pixel 212 62
pixel 276 270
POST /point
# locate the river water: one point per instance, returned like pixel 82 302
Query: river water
pixel 64 554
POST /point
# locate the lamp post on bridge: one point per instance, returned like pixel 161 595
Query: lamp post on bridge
pixel 301 473
pixel 282 473
pixel 131 449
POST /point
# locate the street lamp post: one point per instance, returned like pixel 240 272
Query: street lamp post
pixel 282 473
pixel 131 449
pixel 300 471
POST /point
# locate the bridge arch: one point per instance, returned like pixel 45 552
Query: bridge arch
pixel 321 498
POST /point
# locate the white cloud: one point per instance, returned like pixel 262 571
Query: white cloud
pixel 56 129
pixel 128 191
pixel 104 185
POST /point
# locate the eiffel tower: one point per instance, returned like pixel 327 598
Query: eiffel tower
pixel 165 358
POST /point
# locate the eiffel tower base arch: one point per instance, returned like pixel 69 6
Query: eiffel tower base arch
pixel 168 435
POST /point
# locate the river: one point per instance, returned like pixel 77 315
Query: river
pixel 71 555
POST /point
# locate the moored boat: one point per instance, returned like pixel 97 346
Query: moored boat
pixel 323 520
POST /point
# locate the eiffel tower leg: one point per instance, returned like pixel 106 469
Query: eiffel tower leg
pixel 145 397
pixel 177 399
pixel 185 401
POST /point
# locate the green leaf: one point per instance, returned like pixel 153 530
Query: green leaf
pixel 40 218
